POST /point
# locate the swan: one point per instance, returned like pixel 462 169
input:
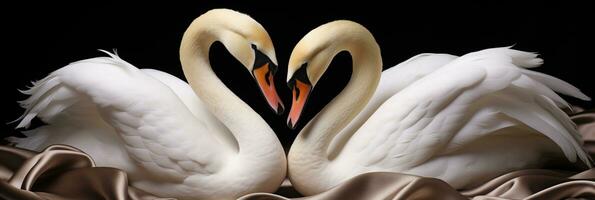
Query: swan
pixel 461 119
pixel 174 139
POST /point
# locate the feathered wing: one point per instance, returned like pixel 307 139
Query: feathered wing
pixel 154 126
pixel 392 80
pixel 465 100
pixel 183 90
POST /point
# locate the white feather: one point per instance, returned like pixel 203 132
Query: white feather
pixel 463 120
pixel 146 122
pixel 556 84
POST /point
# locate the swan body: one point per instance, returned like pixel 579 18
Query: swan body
pixel 174 139
pixel 461 119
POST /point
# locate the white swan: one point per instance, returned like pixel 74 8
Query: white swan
pixel 461 119
pixel 152 125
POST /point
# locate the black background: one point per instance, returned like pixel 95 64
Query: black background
pixel 40 38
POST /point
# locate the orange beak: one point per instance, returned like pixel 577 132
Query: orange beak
pixel 300 92
pixel 264 78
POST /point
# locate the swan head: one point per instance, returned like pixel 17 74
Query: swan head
pixel 248 42
pixel 313 54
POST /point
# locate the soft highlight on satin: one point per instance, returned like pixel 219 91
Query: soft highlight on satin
pixel 68 166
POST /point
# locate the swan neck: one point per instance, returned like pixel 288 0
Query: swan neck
pixel 253 135
pixel 367 68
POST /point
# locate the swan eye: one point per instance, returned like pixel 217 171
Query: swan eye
pixel 301 75
pixel 260 59
pixel 263 71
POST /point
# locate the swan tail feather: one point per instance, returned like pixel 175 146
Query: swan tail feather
pixel 548 119
pixel 521 59
pixel 569 126
pixel 556 84
pixel 525 59
pixel 47 98
pixel 530 60
pixel 50 96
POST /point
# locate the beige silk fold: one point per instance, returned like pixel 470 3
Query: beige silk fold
pixel 61 172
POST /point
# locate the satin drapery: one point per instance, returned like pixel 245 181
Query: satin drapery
pixel 61 172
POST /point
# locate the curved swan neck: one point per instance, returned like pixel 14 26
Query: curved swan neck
pixel 367 67
pixel 253 135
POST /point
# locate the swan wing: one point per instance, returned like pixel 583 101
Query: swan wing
pixel 393 80
pixel 161 128
pixel 193 103
pixel 468 98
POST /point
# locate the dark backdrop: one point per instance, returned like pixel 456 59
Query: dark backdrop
pixel 40 38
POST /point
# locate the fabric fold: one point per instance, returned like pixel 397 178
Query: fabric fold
pixel 62 172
